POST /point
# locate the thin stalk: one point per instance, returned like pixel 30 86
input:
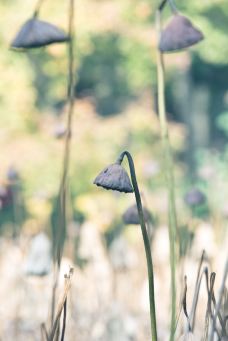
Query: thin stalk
pixel 64 320
pixel 70 91
pixel 146 243
pixel 162 5
pixel 169 179
pixel 53 298
pixel 37 8
pixel 173 6
pixel 219 302
pixel 60 307
pixel 61 200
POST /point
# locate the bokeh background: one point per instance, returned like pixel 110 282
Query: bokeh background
pixel 115 109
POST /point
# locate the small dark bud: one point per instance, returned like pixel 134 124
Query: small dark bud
pixel 179 34
pixel 114 177
pixel 195 197
pixel 37 33
pixel 131 217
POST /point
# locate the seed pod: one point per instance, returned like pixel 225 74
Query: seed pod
pixel 195 197
pixel 179 34
pixel 131 217
pixel 37 33
pixel 114 177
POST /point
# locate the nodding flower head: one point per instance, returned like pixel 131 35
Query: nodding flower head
pixel 179 34
pixel 37 33
pixel 195 197
pixel 131 216
pixel 114 177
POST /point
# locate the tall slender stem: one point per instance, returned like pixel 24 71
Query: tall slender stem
pixel 169 179
pixel 66 156
pixel 70 91
pixel 146 243
pixel 59 238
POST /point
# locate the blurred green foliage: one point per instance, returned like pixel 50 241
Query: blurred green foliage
pixel 222 122
pixel 212 17
pixel 114 71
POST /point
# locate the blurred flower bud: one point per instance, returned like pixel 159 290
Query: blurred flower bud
pixel 194 197
pixel 131 217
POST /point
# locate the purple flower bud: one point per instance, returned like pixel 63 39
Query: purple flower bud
pixel 195 197
pixel 179 34
pixel 37 33
pixel 131 216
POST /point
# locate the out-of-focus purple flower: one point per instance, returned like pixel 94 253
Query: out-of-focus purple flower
pixel 194 197
pixel 131 215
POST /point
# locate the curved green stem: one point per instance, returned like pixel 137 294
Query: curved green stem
pixel 37 8
pixel 171 4
pixel 146 243
pixel 169 179
pixel 162 5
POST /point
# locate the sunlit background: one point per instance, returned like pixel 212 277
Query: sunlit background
pixel 115 110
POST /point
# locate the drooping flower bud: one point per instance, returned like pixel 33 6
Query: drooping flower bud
pixel 179 34
pixel 114 177
pixel 37 33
